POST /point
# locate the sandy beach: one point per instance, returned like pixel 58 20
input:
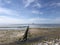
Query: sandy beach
pixel 10 36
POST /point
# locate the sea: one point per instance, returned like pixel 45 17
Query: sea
pixel 24 26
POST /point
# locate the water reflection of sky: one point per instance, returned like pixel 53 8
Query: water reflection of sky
pixel 24 26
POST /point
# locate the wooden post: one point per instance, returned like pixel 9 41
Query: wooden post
pixel 26 33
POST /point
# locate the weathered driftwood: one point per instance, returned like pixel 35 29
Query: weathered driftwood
pixel 25 35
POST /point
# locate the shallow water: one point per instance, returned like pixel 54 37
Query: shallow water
pixel 12 28
pixel 32 25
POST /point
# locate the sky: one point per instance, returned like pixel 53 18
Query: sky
pixel 29 11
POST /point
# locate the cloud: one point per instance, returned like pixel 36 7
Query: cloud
pixel 11 20
pixel 3 2
pixel 37 5
pixel 55 4
pixel 45 20
pixel 8 11
pixel 57 20
pixel 27 2
pixel 38 20
pixel 7 1
pixel 58 4
pixel 37 12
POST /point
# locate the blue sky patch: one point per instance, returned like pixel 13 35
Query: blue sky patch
pixel 29 11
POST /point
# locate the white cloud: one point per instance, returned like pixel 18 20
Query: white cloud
pixel 3 2
pixel 27 2
pixel 55 4
pixel 38 5
pixel 8 1
pixel 57 20
pixel 45 20
pixel 58 4
pixel 11 20
pixel 38 20
pixel 37 12
pixel 8 11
